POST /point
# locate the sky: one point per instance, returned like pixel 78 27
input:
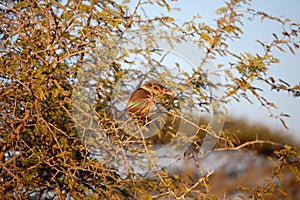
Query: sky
pixel 288 69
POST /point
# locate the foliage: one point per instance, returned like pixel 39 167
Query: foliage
pixel 47 45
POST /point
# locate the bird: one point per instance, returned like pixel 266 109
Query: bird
pixel 150 105
pixel 144 99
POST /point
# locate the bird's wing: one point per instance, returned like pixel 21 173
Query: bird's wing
pixel 138 101
pixel 138 107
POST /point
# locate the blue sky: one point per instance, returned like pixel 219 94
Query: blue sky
pixel 288 69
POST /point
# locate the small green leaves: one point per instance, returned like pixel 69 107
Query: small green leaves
pixel 206 37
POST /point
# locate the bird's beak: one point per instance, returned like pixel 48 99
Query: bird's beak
pixel 166 92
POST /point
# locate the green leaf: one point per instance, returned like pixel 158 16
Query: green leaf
pixel 206 37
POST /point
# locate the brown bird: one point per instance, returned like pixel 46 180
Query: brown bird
pixel 147 105
pixel 144 99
